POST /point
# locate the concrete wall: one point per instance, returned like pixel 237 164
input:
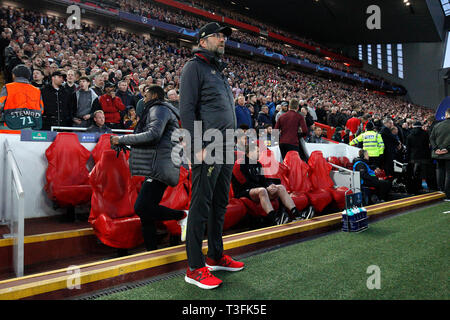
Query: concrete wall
pixel 422 68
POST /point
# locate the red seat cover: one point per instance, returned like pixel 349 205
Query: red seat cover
pixel 344 162
pixel 272 168
pixel 67 181
pixel 319 171
pixel 177 198
pixel 102 145
pixel 236 210
pixel 255 208
pixel 112 206
pixel 335 161
pixel 299 178
pixel 320 178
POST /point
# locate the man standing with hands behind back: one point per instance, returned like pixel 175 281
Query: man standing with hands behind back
pixel 206 99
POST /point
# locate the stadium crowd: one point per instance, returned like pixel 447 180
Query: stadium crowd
pixel 155 10
pixel 97 68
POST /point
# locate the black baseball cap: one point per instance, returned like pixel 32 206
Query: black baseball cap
pixel 109 84
pixel 213 27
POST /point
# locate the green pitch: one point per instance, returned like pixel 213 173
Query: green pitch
pixel 403 257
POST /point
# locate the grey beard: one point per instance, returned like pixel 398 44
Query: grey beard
pixel 220 51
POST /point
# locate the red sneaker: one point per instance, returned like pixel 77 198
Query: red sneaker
pixel 225 263
pixel 202 278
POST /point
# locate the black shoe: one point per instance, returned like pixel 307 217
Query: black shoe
pixel 374 199
pixel 282 217
pixel 308 213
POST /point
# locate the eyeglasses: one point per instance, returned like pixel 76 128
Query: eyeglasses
pixel 217 35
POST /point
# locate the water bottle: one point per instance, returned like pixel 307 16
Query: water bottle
pixel 344 220
pixel 424 184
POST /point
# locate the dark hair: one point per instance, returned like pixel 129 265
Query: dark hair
pixel 158 90
pixel 244 126
pixel 361 153
pixel 85 78
pixel 21 71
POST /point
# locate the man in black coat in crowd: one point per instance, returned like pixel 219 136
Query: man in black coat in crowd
pixel 57 111
pixel 333 118
pixel 391 145
pixel 418 153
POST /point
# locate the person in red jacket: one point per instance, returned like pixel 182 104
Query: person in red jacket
pixel 112 107
pixel 353 123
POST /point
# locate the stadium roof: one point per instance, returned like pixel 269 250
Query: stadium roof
pixel 344 21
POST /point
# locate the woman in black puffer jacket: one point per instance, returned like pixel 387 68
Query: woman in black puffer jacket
pixel 151 156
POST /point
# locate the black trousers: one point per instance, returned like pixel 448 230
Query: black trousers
pixel 285 148
pixel 383 187
pixel 424 170
pixel 148 209
pixel 388 163
pixel 375 161
pixel 210 191
pixel 443 176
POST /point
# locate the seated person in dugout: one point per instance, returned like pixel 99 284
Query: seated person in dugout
pixel 252 184
pixel 369 178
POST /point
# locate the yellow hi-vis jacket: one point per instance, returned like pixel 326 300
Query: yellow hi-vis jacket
pixel 372 143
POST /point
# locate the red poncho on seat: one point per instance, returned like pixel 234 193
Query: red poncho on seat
pixel 67 181
pixel 321 180
pixel 112 207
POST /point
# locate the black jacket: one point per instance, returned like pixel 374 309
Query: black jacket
pixel 390 142
pixel 127 98
pixel 364 174
pixel 418 145
pixel 57 110
pixel 96 129
pixel 152 143
pixel 248 176
pixel 333 119
pixel 206 96
pixel 440 139
pixel 321 115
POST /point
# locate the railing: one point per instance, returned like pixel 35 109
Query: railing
pixel 84 129
pixel 13 207
pixel 345 177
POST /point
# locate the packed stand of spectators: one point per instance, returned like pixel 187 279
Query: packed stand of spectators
pixel 155 10
pixel 101 76
pixel 107 56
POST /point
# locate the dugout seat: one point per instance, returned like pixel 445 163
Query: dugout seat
pixel 102 145
pixel 67 177
pixel 179 198
pixel 335 161
pixel 253 208
pixel 112 213
pixel 345 163
pixel 300 179
pixel 321 180
pixel 272 168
